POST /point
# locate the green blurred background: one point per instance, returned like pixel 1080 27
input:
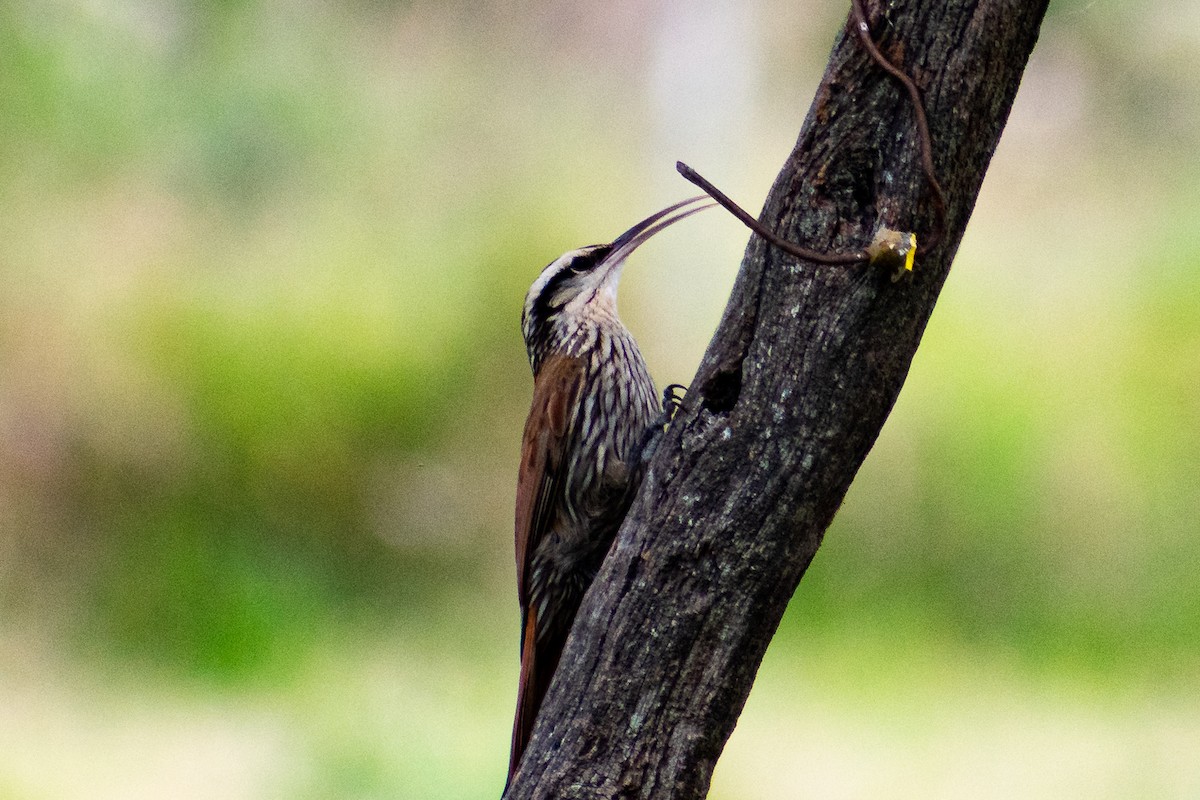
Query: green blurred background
pixel 261 387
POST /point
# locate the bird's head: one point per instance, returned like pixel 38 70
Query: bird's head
pixel 581 285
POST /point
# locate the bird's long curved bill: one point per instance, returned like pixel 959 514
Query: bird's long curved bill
pixel 633 238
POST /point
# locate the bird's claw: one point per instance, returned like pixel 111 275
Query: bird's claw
pixel 672 402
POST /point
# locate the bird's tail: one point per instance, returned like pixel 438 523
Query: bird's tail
pixel 530 690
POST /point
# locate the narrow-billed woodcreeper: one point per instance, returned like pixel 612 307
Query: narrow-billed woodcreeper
pixel 594 406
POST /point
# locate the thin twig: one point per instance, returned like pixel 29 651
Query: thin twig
pixel 855 257
pixel 926 141
pixel 939 197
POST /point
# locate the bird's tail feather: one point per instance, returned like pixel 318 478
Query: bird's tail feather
pixel 529 695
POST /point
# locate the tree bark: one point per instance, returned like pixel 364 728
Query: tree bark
pixel 790 396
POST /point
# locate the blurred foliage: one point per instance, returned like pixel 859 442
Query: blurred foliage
pixel 1017 512
pixel 225 410
pixel 258 367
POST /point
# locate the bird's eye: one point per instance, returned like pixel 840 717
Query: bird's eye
pixel 587 260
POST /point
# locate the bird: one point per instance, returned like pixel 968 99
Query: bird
pixel 594 409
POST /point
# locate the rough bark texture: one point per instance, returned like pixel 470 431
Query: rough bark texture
pixel 794 389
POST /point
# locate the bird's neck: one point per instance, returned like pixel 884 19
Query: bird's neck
pixel 577 334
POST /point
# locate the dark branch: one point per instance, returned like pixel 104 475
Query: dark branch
pixel 789 398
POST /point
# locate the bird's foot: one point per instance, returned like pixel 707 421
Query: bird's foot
pixel 672 402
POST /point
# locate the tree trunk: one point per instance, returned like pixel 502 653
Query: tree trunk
pixel 789 398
